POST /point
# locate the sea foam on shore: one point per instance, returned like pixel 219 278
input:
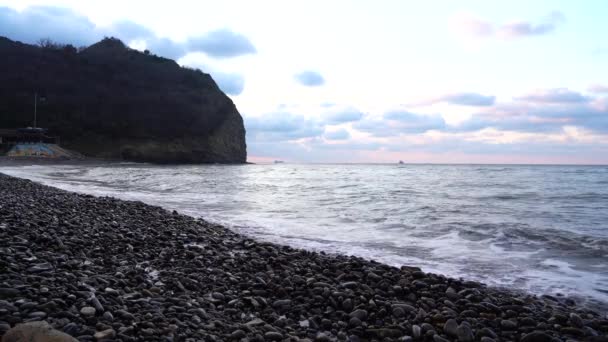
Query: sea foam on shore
pixel 87 264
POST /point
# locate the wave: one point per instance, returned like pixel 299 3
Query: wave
pixel 542 229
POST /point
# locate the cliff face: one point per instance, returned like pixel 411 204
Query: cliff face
pixel 110 101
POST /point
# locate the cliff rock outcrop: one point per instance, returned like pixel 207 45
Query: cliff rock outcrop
pixel 110 101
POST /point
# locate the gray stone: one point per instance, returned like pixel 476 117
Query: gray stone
pixel 438 338
pixel 508 324
pixel 273 336
pixel 576 320
pixel 464 333
pixel 37 314
pixel 416 331
pixel 536 336
pixel 451 327
pixel 8 292
pixel 88 311
pixel 105 334
pixel 354 322
pixel 39 268
pixel 237 334
pixel 39 331
pixel 360 314
pixel 108 316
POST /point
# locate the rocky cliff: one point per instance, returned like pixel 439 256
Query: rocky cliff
pixel 110 101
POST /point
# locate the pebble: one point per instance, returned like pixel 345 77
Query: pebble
pixel 105 334
pixel 360 314
pixel 576 320
pixel 354 322
pixel 8 292
pixel 44 267
pixel 108 316
pixel 273 336
pixel 536 336
pixel 508 324
pixel 438 338
pixel 416 331
pixel 464 333
pixel 147 274
pixel 237 334
pixel 39 331
pixel 88 311
pixel 451 327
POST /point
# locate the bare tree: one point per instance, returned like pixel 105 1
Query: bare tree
pixel 47 43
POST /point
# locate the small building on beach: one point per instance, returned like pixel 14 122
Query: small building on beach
pixel 31 142
pixel 26 135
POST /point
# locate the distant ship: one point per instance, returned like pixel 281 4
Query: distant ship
pixel 401 162
pixel 278 162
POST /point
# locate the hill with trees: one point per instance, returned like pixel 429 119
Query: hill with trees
pixel 110 101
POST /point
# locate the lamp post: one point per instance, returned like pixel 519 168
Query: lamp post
pixel 35 107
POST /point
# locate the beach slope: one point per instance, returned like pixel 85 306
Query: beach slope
pixel 102 268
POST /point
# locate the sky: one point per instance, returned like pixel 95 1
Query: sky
pixel 375 81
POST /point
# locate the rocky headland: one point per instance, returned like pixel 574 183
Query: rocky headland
pixel 105 269
pixel 110 101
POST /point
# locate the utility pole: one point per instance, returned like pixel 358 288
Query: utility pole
pixel 35 107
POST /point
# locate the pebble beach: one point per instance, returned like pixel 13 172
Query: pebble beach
pixel 99 268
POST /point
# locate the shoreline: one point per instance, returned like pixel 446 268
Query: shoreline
pixel 161 274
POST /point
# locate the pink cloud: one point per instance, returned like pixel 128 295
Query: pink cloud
pixel 518 29
pixel 468 24
pixel 598 88
pixel 555 95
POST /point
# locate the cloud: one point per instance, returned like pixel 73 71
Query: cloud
pixel 340 134
pixel 282 126
pixel 60 24
pixel 556 95
pixel 598 88
pixel 230 83
pixel 462 99
pixel 222 43
pixel 467 24
pixel 129 30
pixel 395 123
pixel 310 78
pixel 68 27
pixel 165 47
pixel 348 115
pixel 518 131
pixel 469 99
pixel 518 29
pixel 538 117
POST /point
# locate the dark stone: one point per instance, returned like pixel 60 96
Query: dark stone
pixel 416 331
pixel 360 314
pixel 451 327
pixel 508 324
pixel 273 336
pixel 8 292
pixel 438 338
pixel 464 333
pixel 536 336
pixel 576 320
pixel 237 334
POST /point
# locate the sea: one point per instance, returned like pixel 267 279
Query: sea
pixel 536 228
